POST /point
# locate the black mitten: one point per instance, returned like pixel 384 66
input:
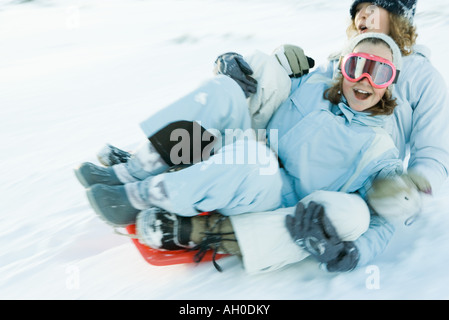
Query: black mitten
pixel 312 230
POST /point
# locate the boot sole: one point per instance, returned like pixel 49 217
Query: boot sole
pixel 98 210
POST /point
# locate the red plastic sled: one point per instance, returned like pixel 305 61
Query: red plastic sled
pixel 165 258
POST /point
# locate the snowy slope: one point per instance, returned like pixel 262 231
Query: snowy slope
pixel 75 74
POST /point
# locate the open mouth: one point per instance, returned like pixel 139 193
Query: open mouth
pixel 363 29
pixel 361 94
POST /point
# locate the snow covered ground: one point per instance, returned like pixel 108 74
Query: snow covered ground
pixel 75 74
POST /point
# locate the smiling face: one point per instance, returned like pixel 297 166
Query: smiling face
pixel 361 95
pixel 371 18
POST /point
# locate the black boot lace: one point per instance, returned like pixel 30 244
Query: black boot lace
pixel 212 240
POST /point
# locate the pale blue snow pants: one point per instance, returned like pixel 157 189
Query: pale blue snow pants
pixel 240 177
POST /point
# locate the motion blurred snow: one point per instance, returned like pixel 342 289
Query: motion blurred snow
pixel 76 74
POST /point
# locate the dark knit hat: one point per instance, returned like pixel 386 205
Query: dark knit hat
pixel 404 8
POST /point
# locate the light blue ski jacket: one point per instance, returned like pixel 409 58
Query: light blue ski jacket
pixel 328 147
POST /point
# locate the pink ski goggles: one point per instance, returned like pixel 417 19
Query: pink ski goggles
pixel 380 72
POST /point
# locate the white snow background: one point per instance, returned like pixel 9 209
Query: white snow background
pixel 76 74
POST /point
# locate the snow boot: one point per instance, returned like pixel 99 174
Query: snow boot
pixel 163 230
pixel 111 203
pixel 213 232
pixel 110 155
pixel 89 174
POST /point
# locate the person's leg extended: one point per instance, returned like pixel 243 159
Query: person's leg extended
pixel 242 177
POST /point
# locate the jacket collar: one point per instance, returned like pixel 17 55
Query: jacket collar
pixel 353 116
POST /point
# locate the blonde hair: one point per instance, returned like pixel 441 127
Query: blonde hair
pixel 401 30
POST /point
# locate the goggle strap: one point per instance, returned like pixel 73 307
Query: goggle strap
pixel 397 76
pixel 340 61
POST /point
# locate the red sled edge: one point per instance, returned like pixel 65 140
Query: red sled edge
pixel 165 258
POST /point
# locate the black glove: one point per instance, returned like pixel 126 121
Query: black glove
pixel 312 230
pixel 234 66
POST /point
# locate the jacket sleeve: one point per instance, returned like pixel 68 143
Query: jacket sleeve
pixel 429 149
pixel 374 241
pixel 273 87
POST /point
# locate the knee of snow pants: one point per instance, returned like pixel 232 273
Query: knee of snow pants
pixel 242 177
pixel 216 105
pixel 266 244
pixel 183 143
pixel 348 212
